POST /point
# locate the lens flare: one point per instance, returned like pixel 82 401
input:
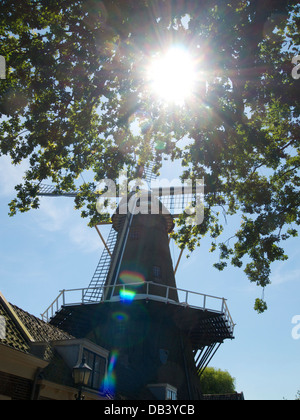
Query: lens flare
pixel 120 316
pixel 109 383
pixel 113 360
pixel 132 278
pixel 140 123
pixel 127 296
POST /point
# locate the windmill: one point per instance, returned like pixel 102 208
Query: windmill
pixel 163 336
pixel 173 199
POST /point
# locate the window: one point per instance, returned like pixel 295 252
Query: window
pixel 156 273
pixel 98 365
pixel 171 393
pixel 163 391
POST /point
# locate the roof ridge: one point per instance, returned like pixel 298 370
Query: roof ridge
pixel 24 331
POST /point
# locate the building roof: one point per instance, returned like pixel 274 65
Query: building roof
pixel 11 335
pixel 27 339
pixel 40 330
pixel 21 329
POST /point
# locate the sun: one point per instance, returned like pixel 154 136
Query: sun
pixel 172 76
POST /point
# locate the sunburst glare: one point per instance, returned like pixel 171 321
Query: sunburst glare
pixel 172 76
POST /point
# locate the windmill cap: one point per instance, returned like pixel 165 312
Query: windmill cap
pixel 144 203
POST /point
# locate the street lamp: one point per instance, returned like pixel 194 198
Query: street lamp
pixel 81 376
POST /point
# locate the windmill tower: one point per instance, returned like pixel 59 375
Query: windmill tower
pixel 160 337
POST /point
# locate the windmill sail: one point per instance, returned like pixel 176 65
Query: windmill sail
pixel 95 288
pixel 51 191
pixel 175 199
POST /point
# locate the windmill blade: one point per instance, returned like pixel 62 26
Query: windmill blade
pixel 95 289
pixel 177 190
pixel 148 174
pixel 51 191
pixel 146 171
pixel 174 200
pixel 177 199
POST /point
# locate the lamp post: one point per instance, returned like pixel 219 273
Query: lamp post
pixel 81 376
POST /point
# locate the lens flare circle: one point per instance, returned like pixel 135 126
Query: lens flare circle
pixel 120 316
pixel 132 278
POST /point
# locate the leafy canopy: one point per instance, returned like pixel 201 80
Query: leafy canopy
pixel 216 381
pixel 76 80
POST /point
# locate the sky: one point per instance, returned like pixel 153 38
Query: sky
pixel 49 249
pixel 52 248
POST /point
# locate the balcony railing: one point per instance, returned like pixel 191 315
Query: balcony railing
pixel 129 292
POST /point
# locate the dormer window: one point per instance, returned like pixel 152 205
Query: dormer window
pixel 98 365
pixel 163 391
pixel 74 350
pixel 171 393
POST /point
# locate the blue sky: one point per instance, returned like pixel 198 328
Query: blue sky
pixel 46 250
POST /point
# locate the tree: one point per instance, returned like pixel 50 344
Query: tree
pixel 77 78
pixel 216 382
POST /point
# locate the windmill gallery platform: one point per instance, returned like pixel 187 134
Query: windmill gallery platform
pixel 160 338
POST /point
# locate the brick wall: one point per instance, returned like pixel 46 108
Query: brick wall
pixel 15 387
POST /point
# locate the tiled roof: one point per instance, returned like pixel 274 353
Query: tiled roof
pixel 38 329
pixel 23 329
pixel 13 336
